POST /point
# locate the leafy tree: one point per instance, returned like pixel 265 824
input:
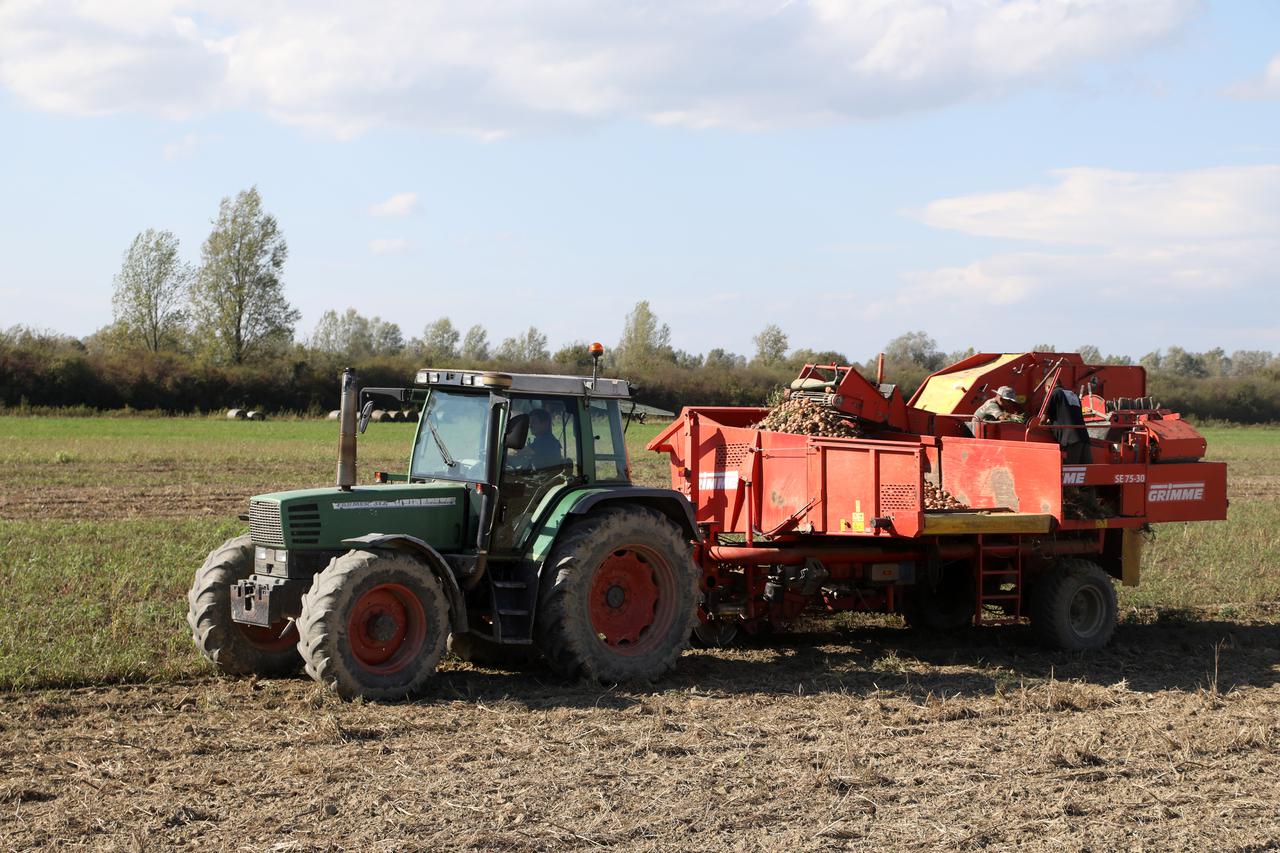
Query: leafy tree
pixel 1249 362
pixel 151 290
pixel 475 346
pixel 1090 354
pixel 439 343
pixel 529 347
pixel 721 359
pixel 346 334
pixel 576 355
pixel 771 345
pixel 915 348
pixel 237 296
pixel 645 339
pixel 355 336
pixel 386 337
pixel 801 357
pixel 1183 363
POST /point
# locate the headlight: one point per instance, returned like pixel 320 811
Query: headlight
pixel 260 554
pixel 282 556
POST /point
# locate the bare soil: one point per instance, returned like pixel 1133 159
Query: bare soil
pixel 869 737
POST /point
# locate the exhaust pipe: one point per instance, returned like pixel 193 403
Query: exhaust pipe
pixel 347 431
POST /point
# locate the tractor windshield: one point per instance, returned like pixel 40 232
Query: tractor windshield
pixel 452 438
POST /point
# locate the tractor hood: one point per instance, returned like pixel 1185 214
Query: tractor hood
pixel 437 513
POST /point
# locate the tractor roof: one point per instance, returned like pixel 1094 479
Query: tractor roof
pixel 530 383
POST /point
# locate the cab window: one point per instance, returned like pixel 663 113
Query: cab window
pixel 606 430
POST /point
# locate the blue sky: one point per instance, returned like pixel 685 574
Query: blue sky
pixel 999 174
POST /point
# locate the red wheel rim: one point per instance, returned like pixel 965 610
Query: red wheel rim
pixel 275 638
pixel 628 600
pixel 387 628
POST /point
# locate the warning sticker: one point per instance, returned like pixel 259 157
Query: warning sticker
pixel 718 480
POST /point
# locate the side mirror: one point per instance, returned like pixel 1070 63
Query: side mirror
pixel 365 414
pixel 517 433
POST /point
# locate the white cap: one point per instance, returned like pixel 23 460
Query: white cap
pixel 1006 392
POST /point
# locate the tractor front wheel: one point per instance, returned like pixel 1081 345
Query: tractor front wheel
pixel 234 648
pixel 619 597
pixel 373 625
pixel 1073 606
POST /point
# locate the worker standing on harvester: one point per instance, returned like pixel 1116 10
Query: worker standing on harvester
pixel 1003 406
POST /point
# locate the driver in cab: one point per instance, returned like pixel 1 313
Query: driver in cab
pixel 543 450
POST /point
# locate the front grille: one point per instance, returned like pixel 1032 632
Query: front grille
pixel 304 524
pixel 264 524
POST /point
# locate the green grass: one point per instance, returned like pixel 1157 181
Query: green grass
pixel 101 600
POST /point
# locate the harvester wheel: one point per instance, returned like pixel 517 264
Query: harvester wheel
pixel 373 625
pixel 619 597
pixel 1073 606
pixel 234 648
pixel 485 652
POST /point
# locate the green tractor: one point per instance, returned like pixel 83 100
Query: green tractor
pixel 515 531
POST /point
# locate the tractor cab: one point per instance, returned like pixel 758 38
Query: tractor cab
pixel 525 438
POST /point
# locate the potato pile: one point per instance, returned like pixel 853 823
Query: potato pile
pixel 803 416
pixel 936 497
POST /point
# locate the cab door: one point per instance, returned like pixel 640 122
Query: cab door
pixel 532 476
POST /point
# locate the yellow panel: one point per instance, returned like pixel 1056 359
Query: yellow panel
pixel 942 394
pixel 961 523
pixel 1130 557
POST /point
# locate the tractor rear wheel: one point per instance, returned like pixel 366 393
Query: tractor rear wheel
pixel 473 648
pixel 619 597
pixel 373 625
pixel 234 648
pixel 1073 606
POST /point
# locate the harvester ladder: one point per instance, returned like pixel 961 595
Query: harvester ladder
pixel 999 565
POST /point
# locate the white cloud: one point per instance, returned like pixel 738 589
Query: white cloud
pixel 183 147
pixel 400 204
pixel 389 246
pixel 1266 86
pixel 1109 245
pixel 492 68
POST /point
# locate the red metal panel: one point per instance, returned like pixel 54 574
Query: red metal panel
pixel 1187 491
pixel 1019 476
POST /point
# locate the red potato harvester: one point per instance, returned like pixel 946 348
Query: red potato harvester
pixel 1055 506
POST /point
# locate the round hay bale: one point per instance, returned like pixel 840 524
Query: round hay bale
pixel 236 414
pixel 395 416
pixel 378 416
pixel 257 416
pixel 410 415
pixel 335 415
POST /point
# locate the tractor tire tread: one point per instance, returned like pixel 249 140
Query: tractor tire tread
pixel 321 648
pixel 209 616
pixel 564 648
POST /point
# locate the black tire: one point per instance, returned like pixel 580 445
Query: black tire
pixel 233 648
pixel 373 625
pixel 473 648
pixel 947 606
pixel 1073 606
pixel 596 619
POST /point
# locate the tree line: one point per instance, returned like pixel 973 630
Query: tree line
pixel 220 333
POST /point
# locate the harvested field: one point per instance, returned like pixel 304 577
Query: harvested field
pixel 870 738
pixel 862 735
